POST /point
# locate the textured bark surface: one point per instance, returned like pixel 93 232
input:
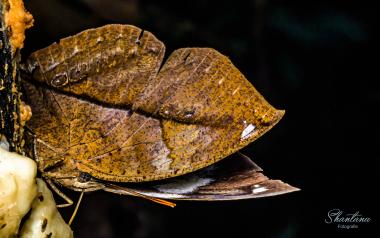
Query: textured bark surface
pixel 10 120
pixel 103 106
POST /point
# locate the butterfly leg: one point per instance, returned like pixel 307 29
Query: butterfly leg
pixel 76 209
pixel 67 199
pixel 60 193
pixel 49 181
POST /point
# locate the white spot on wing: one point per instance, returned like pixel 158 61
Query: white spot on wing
pixel 184 186
pixel 247 131
pixel 76 50
pixel 259 190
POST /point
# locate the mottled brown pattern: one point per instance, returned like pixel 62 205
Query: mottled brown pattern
pixel 102 106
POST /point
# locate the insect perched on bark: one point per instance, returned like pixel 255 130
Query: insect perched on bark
pixel 105 111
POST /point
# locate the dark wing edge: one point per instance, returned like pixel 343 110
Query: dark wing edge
pixel 234 178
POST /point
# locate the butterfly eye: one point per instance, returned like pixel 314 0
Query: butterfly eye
pixel 84 177
pixel 59 80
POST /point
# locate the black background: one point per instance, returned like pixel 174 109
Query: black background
pixel 311 58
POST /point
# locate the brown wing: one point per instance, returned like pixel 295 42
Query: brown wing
pixel 110 64
pixel 124 122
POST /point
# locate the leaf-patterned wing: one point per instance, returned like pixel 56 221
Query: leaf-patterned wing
pixel 126 122
pixel 236 177
pixel 110 64
pixel 109 143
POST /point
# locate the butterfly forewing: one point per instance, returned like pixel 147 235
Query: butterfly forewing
pixel 109 111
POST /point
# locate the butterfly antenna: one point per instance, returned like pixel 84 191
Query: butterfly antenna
pixel 137 194
pixel 76 209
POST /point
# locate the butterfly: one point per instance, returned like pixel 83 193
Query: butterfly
pixel 109 115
